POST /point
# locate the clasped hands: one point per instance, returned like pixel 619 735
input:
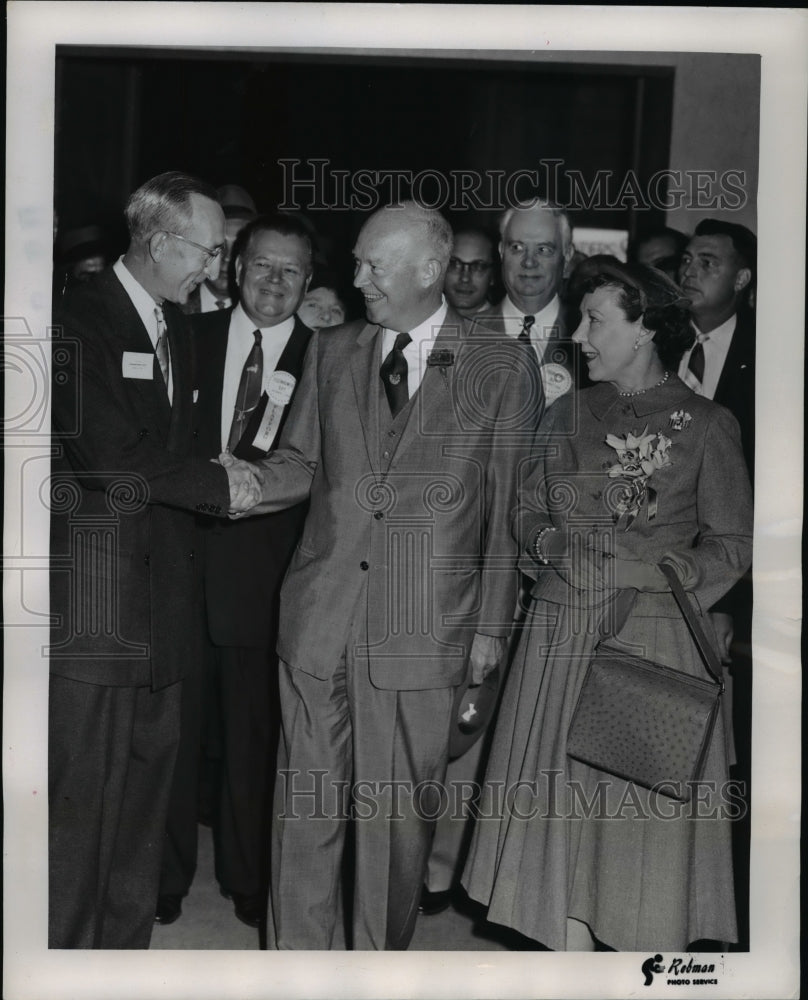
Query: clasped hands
pixel 245 482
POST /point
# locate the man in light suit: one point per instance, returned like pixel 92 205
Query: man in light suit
pixel 535 249
pixel 244 563
pixel 123 593
pixel 403 582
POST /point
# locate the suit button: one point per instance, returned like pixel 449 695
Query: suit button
pixel 146 560
pixel 144 431
pixel 378 515
pixel 392 434
pixel 387 454
pixel 196 433
pixel 364 565
pixel 190 555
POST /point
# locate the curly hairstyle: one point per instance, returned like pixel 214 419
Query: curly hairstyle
pixel 648 294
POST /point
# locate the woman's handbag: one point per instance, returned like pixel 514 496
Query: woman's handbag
pixel 646 722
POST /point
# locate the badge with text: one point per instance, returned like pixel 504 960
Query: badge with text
pixel 278 388
pixel 136 364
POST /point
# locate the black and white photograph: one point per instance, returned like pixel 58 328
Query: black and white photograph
pixel 455 611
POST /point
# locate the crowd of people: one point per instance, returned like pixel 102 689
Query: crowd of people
pixel 285 538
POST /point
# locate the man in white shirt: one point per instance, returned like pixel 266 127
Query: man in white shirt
pixel 243 564
pixel 123 585
pixel 535 249
pixel 470 274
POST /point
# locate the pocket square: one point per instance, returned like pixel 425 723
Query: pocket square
pixel 196 394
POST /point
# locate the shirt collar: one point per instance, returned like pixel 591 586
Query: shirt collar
pixel 428 330
pixel 242 325
pixel 143 302
pixel 721 335
pixel 545 319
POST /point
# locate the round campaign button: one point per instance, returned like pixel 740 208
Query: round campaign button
pixel 280 387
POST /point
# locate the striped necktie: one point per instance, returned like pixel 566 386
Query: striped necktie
pixel 161 347
pixel 249 392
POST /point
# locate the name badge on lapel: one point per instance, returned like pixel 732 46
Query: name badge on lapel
pixel 279 388
pixel 136 364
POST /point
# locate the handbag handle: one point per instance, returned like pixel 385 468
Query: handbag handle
pixel 707 652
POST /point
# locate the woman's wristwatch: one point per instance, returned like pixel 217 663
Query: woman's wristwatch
pixel 538 552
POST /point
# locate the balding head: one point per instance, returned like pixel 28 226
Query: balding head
pixel 401 257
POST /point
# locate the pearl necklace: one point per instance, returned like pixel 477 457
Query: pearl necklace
pixel 639 392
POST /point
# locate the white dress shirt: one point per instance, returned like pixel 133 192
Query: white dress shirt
pixel 543 325
pixel 207 300
pixel 145 306
pixel 716 347
pixel 416 352
pixel 240 341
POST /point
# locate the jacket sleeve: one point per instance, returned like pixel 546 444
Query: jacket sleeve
pixel 723 549
pixel 289 470
pixel 520 408
pixel 106 442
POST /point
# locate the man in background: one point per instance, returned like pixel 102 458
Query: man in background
pixel 470 273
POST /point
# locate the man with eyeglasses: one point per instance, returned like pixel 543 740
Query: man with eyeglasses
pixel 535 249
pixel 260 344
pixel 470 273
pixel 124 589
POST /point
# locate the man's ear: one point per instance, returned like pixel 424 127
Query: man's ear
pixel 238 268
pixel 742 279
pixel 157 246
pixel 432 272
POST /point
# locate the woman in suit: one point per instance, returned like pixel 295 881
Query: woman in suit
pixel 631 472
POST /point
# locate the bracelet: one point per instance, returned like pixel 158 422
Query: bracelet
pixel 538 555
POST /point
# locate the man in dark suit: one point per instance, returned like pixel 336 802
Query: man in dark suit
pixel 406 434
pixel 535 249
pixel 244 563
pixel 717 274
pixel 123 596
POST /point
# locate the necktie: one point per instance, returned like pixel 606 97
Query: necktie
pixel 221 304
pixel 249 392
pixel 393 373
pixel 695 363
pixel 524 333
pixel 161 347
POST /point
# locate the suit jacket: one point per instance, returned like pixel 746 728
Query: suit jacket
pixel 407 536
pixel 560 352
pixel 736 386
pixel 244 561
pixel 124 484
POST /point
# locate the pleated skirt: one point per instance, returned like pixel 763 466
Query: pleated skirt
pixel 555 838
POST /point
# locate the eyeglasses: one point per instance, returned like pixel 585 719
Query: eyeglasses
pixel 210 254
pixel 474 266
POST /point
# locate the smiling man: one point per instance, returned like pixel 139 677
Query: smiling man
pixel 406 434
pixel 125 487
pixel 535 248
pixel 249 363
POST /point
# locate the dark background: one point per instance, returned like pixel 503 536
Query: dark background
pixel 125 115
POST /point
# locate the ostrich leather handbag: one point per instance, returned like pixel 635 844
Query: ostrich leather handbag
pixel 646 722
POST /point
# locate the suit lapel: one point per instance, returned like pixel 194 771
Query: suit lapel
pixel 365 363
pixel 436 390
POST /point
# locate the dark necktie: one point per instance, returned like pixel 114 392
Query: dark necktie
pixel 161 347
pixel 249 392
pixel 696 362
pixel 524 333
pixel 393 373
pixel 221 304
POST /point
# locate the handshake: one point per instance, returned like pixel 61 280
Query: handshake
pixel 245 482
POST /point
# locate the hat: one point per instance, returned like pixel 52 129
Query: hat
pixel 472 710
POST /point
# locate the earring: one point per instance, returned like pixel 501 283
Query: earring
pixel 637 344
